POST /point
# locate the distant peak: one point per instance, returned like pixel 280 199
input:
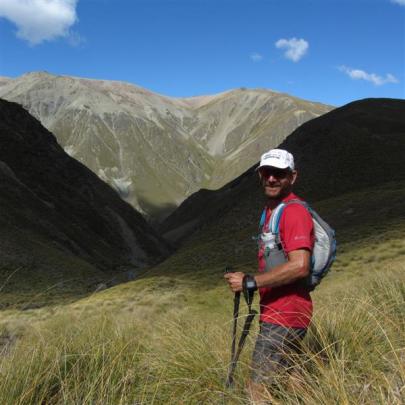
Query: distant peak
pixel 199 101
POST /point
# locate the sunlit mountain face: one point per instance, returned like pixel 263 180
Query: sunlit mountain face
pixel 155 150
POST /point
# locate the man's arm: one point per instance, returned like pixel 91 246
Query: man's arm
pixel 297 267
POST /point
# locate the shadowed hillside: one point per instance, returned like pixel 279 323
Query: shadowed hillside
pixel 59 223
pixel 357 146
pixel 350 148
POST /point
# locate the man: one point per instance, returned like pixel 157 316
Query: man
pixel 285 303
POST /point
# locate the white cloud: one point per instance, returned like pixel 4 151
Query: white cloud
pixel 40 20
pixel 358 74
pixel 256 57
pixel 400 2
pixel 295 48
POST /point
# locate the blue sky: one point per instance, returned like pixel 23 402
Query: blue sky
pixel 332 51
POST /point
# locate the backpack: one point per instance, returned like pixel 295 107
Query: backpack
pixel 324 251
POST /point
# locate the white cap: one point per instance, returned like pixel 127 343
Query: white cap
pixel 279 158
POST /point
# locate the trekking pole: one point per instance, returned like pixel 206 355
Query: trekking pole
pixel 241 344
pixel 246 328
pixel 236 301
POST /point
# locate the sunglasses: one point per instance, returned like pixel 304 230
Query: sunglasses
pixel 266 172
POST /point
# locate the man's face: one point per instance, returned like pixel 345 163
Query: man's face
pixel 277 183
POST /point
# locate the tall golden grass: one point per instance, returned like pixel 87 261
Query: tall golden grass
pixel 354 353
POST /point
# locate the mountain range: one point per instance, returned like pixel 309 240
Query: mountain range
pixel 156 150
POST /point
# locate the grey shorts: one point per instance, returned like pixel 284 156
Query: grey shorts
pixel 272 354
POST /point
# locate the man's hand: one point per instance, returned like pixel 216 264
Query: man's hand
pixel 235 280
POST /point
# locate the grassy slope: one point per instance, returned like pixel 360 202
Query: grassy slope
pixel 165 337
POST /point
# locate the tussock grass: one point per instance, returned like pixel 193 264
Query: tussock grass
pixel 355 351
pixel 354 354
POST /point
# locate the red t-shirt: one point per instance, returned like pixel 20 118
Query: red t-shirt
pixel 289 305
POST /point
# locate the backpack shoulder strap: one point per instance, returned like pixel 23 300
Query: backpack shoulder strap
pixel 275 218
pixel 262 219
pixel 297 201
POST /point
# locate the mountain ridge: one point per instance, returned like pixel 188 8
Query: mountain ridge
pixel 156 150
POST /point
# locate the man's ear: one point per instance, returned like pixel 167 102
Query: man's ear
pixel 294 175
